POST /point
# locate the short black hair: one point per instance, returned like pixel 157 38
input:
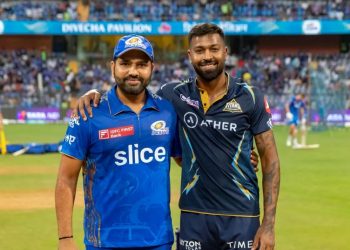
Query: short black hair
pixel 205 29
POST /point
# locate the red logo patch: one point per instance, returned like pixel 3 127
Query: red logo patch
pixel 267 107
pixel 116 132
pixel 103 134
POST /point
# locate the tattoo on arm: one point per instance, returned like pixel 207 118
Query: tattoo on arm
pixel 266 145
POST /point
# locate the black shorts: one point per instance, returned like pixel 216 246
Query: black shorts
pixel 216 232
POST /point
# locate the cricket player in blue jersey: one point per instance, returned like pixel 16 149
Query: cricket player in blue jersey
pixel 219 117
pixel 124 154
pixel 295 114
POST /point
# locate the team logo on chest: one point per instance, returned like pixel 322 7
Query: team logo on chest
pixel 233 107
pixel 159 128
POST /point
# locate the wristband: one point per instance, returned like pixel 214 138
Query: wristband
pixel 65 237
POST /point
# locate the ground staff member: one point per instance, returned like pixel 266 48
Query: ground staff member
pixel 124 154
pixel 219 117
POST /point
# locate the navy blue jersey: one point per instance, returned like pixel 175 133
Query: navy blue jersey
pixel 217 175
pixel 126 171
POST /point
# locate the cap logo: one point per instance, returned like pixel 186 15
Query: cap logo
pixel 134 42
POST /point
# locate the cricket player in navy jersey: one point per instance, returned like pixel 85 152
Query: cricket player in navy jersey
pixel 219 117
pixel 124 154
pixel 296 115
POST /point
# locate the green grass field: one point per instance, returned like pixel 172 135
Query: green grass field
pixel 313 209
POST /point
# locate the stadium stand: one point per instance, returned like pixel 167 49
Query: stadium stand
pixel 181 10
pixel 278 76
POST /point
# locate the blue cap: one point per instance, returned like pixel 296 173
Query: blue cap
pixel 131 42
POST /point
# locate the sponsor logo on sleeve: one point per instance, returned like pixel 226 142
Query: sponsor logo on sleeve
pixel 111 133
pixel 159 128
pixel 70 139
pixel 74 120
pixel 233 107
pixel 189 101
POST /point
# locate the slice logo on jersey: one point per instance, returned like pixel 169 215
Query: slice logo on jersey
pixel 267 107
pixel 70 139
pixel 159 128
pixel 135 42
pixel 190 102
pixel 74 120
pixel 233 107
pixel 111 133
pixel 135 155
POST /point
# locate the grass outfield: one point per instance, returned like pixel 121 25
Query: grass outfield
pixel 313 210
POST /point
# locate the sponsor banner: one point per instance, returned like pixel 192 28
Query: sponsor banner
pixel 38 114
pixel 278 116
pixel 331 117
pixel 347 115
pixel 306 27
pixel 338 117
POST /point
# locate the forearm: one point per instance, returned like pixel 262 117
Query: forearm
pixel 271 183
pixel 64 197
pixel 271 175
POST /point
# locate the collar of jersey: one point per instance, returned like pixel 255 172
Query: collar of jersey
pixel 230 84
pixel 116 106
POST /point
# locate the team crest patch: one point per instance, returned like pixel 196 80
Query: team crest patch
pixel 159 128
pixel 111 133
pixel 233 107
pixel 135 42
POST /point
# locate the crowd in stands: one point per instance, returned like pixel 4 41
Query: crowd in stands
pixel 180 10
pixel 30 79
pixel 59 10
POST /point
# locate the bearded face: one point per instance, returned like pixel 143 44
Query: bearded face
pixel 208 54
pixel 131 85
pixel 208 70
pixel 132 72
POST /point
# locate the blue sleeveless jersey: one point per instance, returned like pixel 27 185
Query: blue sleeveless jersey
pixel 126 171
pixel 294 107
